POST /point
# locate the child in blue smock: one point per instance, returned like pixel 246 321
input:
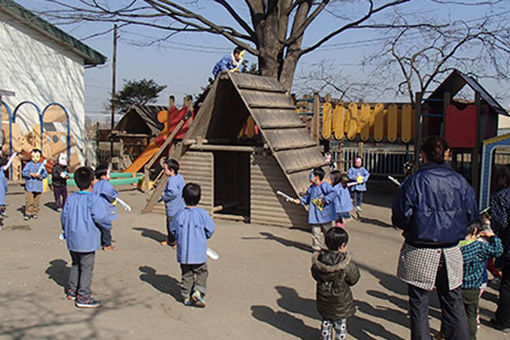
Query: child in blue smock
pixel 3 190
pixel 172 195
pixel 82 218
pixel 343 204
pixel 191 228
pixel 320 197
pixel 358 174
pixel 108 195
pixel 34 172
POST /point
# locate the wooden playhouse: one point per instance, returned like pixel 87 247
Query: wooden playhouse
pixel 240 171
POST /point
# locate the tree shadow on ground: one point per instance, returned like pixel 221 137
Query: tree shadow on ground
pixel 281 240
pixel 58 271
pixel 285 322
pixel 152 234
pixel 164 283
pixel 375 222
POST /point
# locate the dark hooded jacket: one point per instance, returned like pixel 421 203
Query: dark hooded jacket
pixel 334 273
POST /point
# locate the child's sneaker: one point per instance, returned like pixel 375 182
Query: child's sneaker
pixel 26 217
pixel 187 302
pixel 59 209
pixel 70 295
pixel 87 302
pixel 4 214
pixel 34 216
pixel 198 299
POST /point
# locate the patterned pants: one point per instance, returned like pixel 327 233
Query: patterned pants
pixel 338 326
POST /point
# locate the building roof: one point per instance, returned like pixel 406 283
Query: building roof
pixel 91 57
pixel 456 81
pixel 141 119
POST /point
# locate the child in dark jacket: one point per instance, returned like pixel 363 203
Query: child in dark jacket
pixel 335 273
pixel 59 176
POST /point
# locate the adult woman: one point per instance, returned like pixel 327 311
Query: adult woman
pixel 500 211
pixel 434 208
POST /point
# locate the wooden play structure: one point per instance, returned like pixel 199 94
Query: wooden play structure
pixel 239 163
pixel 490 146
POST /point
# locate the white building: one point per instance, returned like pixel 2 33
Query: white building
pixel 42 64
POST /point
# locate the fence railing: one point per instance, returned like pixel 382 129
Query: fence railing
pixel 378 161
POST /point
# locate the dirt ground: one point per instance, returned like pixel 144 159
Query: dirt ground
pixel 260 288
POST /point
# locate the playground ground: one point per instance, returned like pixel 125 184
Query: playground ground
pixel 261 287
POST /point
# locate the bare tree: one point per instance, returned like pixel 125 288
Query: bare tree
pixel 420 56
pixel 324 77
pixel 271 30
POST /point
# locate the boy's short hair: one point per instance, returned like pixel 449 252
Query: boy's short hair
pixel 172 164
pixel 83 176
pixel 237 50
pixel 101 170
pixel 319 172
pixel 36 150
pixel 473 228
pixel 335 237
pixel 191 194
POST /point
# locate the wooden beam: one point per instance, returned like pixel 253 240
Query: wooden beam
pixel 417 127
pixel 306 167
pixel 255 88
pixel 273 107
pixel 234 148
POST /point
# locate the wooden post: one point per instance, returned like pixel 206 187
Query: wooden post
pixel 316 117
pixel 360 149
pixel 114 69
pixel 475 156
pixel 446 102
pixel 417 127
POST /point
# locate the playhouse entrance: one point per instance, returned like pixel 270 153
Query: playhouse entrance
pixel 232 184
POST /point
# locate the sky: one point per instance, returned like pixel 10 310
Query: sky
pixel 184 62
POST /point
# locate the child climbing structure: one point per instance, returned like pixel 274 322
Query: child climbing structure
pixel 240 172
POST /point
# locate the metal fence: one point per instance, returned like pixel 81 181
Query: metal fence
pixel 378 161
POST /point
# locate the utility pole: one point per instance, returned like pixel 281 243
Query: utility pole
pixel 114 69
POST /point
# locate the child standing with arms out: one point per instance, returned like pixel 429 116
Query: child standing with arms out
pixel 108 195
pixel 335 273
pixel 360 175
pixel 343 204
pixel 191 227
pixel 475 253
pixel 82 218
pixel 34 172
pixel 59 176
pixel 320 198
pixel 3 189
pixel 172 195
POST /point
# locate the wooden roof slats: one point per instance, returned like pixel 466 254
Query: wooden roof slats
pixel 285 139
pixel 295 151
pixel 256 99
pixel 275 119
pixel 254 82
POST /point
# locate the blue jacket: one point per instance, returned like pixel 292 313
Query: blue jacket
pixel 500 212
pixel 173 195
pixel 3 187
pixel 108 195
pixel 191 228
pixel 225 64
pixel 343 201
pixel 81 218
pixel 435 206
pixel 354 173
pixel 33 184
pixel 323 191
